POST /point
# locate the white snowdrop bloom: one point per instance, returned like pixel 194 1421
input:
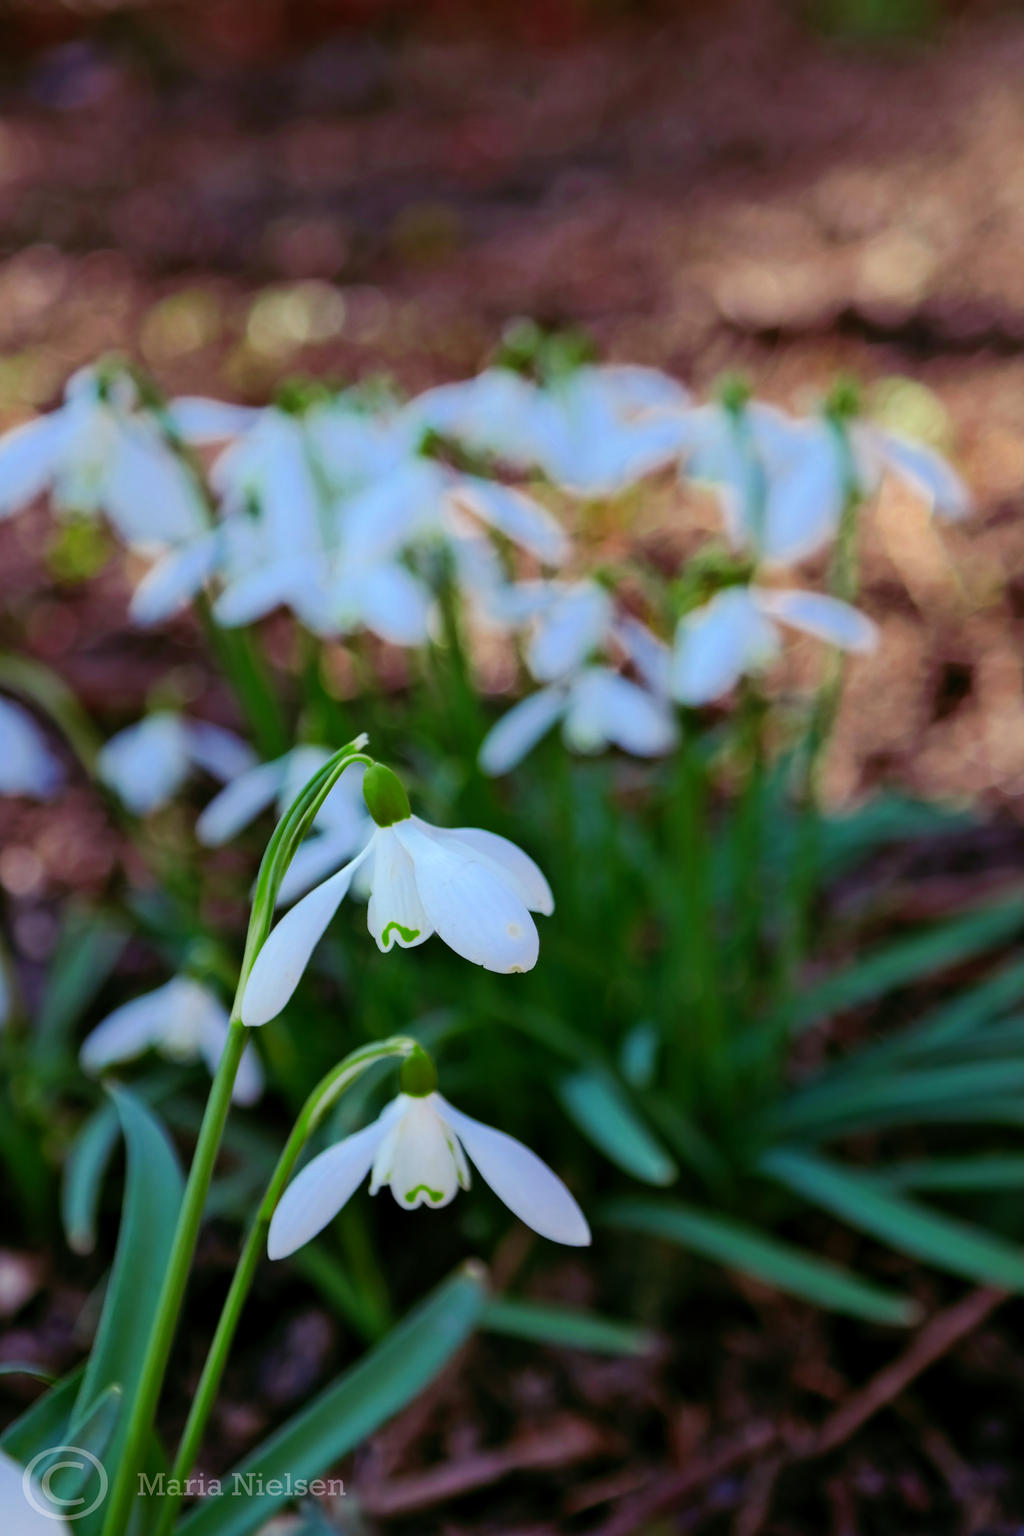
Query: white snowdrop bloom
pixel 203 422
pixel 27 765
pixel 475 890
pixel 176 578
pixel 182 1020
pixel 600 430
pixel 493 414
pixel 419 1146
pixel 147 763
pixel 342 824
pixel 98 452
pixel 598 708
pixel 919 466
pixel 567 622
pixel 737 633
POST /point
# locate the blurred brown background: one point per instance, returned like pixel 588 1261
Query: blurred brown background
pixel 237 191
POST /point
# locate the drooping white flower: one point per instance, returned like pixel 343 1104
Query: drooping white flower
pixel 737 633
pixel 342 824
pixel 147 763
pixel 182 1020
pixel 30 1506
pixel 27 765
pixel 419 1147
pixel 475 890
pixel 100 452
pixel 920 467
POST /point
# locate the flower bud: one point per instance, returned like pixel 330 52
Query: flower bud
pixel 385 796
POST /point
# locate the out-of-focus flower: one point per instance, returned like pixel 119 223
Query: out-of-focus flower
pixel 570 622
pixel 341 827
pixel 475 890
pixel 182 1020
pixel 28 1509
pixel 418 1146
pixel 27 765
pixel 737 633
pixel 147 763
pixel 100 452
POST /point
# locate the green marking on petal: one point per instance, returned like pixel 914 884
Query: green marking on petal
pixel 408 934
pixel 431 1194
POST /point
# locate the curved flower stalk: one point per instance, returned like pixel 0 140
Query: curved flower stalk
pixel 147 763
pixel 27 765
pixel 182 1020
pixel 341 827
pixel 475 890
pixel 597 706
pixel 418 1146
pixel 101 452
pixel 738 633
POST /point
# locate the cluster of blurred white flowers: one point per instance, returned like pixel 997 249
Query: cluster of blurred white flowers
pixel 357 512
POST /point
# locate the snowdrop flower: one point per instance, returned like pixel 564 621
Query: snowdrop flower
pixel 598 708
pixel 492 414
pixel 601 430
pixel 182 1020
pixel 475 890
pixel 27 766
pixel 147 763
pixel 419 1146
pixel 98 452
pixel 919 467
pixel 341 827
pixel 30 1509
pixel 737 633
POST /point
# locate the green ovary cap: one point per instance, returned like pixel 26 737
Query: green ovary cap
pixel 419 1075
pixel 385 796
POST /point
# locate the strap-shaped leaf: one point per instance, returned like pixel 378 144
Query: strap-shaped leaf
pixel 152 1196
pixel 752 1252
pixel 868 1204
pixel 983 1172
pixel 45 1423
pixel 594 1101
pixel 84 1167
pixel 87 950
pixel 349 1410
pixel 564 1327
pixel 833 1109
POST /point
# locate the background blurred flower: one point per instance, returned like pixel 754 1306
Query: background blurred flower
pixel 147 763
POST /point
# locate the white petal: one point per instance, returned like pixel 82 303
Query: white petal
pixel 41 1516
pixel 471 907
pixel 519 731
pixel 27 458
pixel 149 494
pixel 926 471
pixel 239 803
pixel 386 517
pixel 211 1027
pixel 27 766
pixel 651 657
pixel 422 1168
pixel 817 614
pixel 253 595
pixel 318 1193
pixel 280 963
pixel 515 866
pixel 395 913
pixel 146 764
pixel 576 625
pixel 128 1031
pixel 217 751
pixel 174 580
pixel 804 501
pixel 521 1179
pixel 717 644
pixel 604 707
pixel 517 516
pixel 394 604
pixel 200 421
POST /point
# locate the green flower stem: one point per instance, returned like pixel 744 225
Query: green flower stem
pixel 320 1100
pixel 748 837
pixel 240 658
pixel 280 850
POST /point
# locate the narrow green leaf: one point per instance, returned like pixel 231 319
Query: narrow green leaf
pixel 26 1368
pixel 752 1252
pixel 348 1411
pixel 75 1481
pixel 865 1202
pixel 985 1171
pixel 152 1197
pixel 937 950
pixel 841 1108
pixel 594 1101
pixel 85 1165
pixel 45 1422
pixel 565 1327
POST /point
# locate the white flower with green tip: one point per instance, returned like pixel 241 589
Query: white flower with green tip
pixel 421 1147
pixel 475 890
pixel 183 1021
